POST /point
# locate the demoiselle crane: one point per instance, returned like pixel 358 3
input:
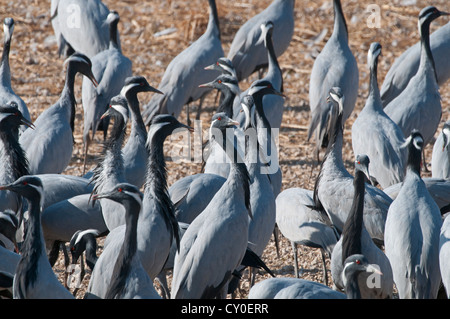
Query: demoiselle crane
pixel 157 223
pixel 356 240
pixel 49 146
pixel 333 189
pixel 440 157
pixel 14 163
pixel 376 135
pixel 302 225
pixel 110 170
pixel 110 68
pixel 247 54
pixel 418 106
pixel 406 65
pixel 181 80
pixel 273 105
pixel 191 194
pixel 262 197
pixel 80 26
pixel 7 93
pixel 295 288
pixel 135 153
pixel 214 244
pixel 34 277
pixel 412 232
pixel 335 66
pixel 129 279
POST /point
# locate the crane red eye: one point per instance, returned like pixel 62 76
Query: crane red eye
pixel 358 262
pixel 119 189
pixel 25 183
pixel 220 81
pixel 219 118
pixel 217 63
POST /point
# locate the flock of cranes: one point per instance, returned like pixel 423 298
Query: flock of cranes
pixel 382 225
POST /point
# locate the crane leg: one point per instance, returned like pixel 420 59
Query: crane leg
pixel 294 249
pixel 200 104
pixel 86 146
pixel 324 267
pixel 275 238
pixel 66 263
pixel 187 115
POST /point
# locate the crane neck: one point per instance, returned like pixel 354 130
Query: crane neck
pixel 5 71
pixel 124 260
pixel 351 287
pixel 335 143
pixel 274 66
pixel 15 160
pixel 91 252
pixel 213 22
pixel 426 56
pixel 374 91
pixel 32 250
pixel 226 105
pixel 352 230
pixel 340 26
pixel 264 133
pixel 136 117
pixel 156 184
pixel 113 41
pixel 68 95
pixel 114 143
pixel 112 162
pixel 238 169
pixel 414 160
pixel 69 84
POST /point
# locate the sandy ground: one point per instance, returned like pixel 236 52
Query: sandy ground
pixel 38 76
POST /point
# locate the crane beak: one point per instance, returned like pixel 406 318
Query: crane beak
pixel 107 113
pixel 91 77
pixel 206 85
pixel 97 197
pixel 232 122
pixel 94 197
pixel 276 92
pixel 154 90
pixel 211 67
pixel 373 269
pixel 27 123
pixel 94 81
pixel 189 128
